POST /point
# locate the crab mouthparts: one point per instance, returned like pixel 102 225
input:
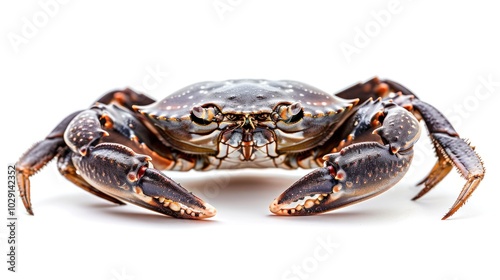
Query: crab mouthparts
pixel 249 144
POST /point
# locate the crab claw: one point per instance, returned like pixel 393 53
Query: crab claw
pixel 129 177
pixel 308 195
pixel 159 193
pixel 358 172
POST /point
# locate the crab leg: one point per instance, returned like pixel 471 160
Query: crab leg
pixel 54 145
pixel 450 149
pixel 119 172
pixel 359 171
pixel 128 176
pixel 37 157
pixel 126 98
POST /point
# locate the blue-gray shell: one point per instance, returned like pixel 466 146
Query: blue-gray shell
pixel 246 96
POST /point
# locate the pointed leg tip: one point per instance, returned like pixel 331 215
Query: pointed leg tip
pixel 467 191
pixel 27 205
pixel 422 192
pixel 421 182
pixel 449 214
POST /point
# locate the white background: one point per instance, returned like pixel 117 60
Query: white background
pixel 80 50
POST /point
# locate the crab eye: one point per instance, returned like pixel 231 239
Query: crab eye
pixel 262 117
pixel 204 116
pixel 288 113
pixel 232 117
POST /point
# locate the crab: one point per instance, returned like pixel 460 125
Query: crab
pixel 359 143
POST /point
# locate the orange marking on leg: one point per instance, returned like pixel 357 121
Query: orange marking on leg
pixel 382 89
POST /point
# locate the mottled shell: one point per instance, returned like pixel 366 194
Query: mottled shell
pixel 173 114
